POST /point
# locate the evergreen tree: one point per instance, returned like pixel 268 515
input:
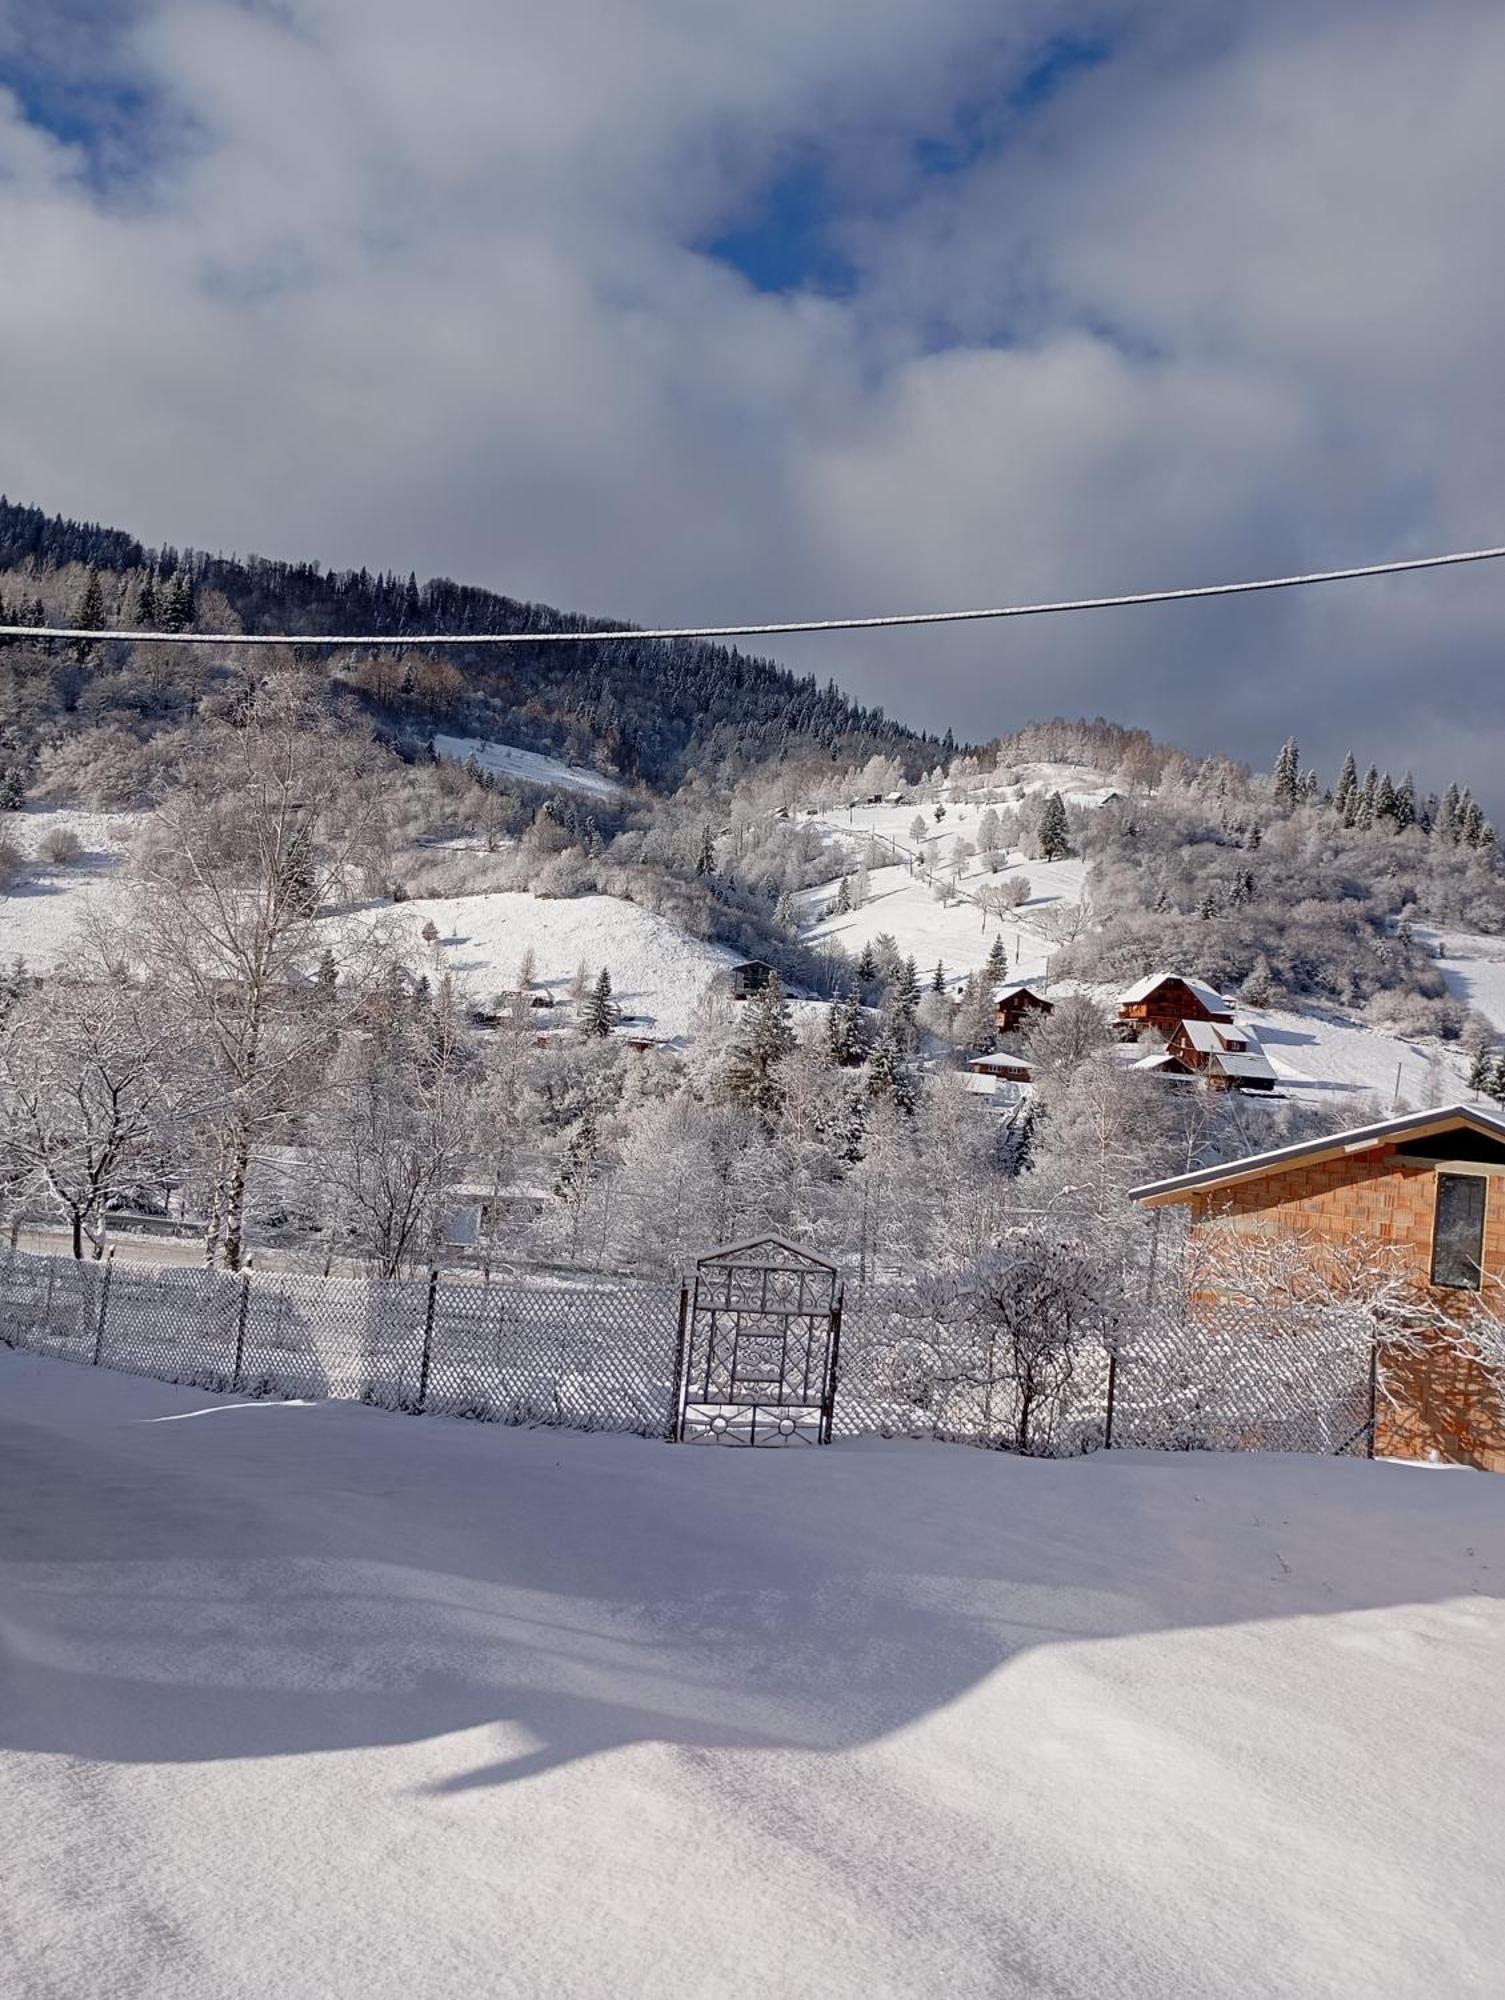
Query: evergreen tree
pixel 1404 812
pixel 146 603
pixel 1055 836
pixel 1447 816
pixel 1473 829
pixel 846 1031
pixel 1384 801
pixel 888 1071
pixel 996 965
pixel 706 863
pixel 907 991
pixel 1287 777
pixel 867 964
pixel 1364 810
pixel 844 896
pixel 1348 785
pixel 764 1039
pixel 91 605
pixel 599 1014
pixel 1481 1071
pixel 578 1167
pixel 327 978
pixel 977 1017
pixel 938 977
pixel 177 603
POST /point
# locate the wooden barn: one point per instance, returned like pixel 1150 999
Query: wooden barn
pixel 1418 1193
pixel 1016 1005
pixel 1162 1001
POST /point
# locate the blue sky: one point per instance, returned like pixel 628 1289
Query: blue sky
pixel 820 307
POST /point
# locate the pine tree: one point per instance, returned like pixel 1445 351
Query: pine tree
pixel 1447 816
pixel 996 965
pixel 977 1017
pixel 1481 1071
pixel 1055 835
pixel 867 964
pixel 1384 800
pixel 326 979
pixel 1404 812
pixel 907 990
pixel 706 864
pixel 1287 777
pixel 844 896
pixel 1348 785
pixel 146 603
pixel 91 605
pixel 846 1031
pixel 177 603
pixel 1364 810
pixel 938 977
pixel 1473 830
pixel 599 1015
pixel 888 1072
pixel 765 1038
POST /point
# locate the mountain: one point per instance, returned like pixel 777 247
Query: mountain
pixel 654 710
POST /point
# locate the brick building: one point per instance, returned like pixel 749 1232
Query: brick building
pixel 1164 1000
pixel 1426 1188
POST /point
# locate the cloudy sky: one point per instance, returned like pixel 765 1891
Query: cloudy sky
pixel 683 311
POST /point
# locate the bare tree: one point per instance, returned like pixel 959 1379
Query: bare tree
pixel 271 830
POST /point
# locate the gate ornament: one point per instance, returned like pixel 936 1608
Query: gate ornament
pixel 760 1349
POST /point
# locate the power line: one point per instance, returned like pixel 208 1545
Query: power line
pixel 586 638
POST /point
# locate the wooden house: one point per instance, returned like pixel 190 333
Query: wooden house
pixel 1226 1054
pixel 1416 1191
pixel 751 976
pixel 1162 1001
pixel 1012 1069
pixel 1016 1005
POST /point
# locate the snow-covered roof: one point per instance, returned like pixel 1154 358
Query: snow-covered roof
pixel 1143 988
pixel 1001 993
pixel 1162 1059
pixel 1250 1065
pixel 1359 1139
pixel 1002 1064
pixel 1202 1035
pixel 1213 1037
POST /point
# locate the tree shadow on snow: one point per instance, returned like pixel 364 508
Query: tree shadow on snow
pixel 296 1579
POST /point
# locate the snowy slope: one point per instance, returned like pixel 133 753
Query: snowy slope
pixel 39 916
pixel 316 1700
pixel 504 760
pixel 657 973
pixel 1474 968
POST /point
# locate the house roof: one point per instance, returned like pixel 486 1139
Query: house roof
pixel 1002 1064
pixel 1359 1139
pixel 1018 986
pixel 1143 988
pixel 1250 1064
pixel 1212 1037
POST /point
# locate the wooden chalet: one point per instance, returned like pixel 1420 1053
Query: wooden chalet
pixel 1015 1005
pixel 1012 1069
pixel 1226 1054
pixel 1162 1001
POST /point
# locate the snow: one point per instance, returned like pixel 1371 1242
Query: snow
pixel 40 914
pixel 312 1699
pixel 1474 968
pixel 658 974
pixel 504 760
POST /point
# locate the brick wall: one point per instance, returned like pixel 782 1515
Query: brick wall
pixel 1443 1407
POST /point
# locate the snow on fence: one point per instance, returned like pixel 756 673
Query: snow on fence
pixel 605 1358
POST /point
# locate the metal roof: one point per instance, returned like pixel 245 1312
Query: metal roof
pixel 1359 1139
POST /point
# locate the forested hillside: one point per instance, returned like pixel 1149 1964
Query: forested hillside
pixel 645 710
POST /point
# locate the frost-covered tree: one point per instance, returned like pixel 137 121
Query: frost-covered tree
pixel 764 1039
pixel 1287 778
pixel 600 1013
pixel 1054 837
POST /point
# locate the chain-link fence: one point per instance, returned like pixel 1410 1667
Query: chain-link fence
pixel 1165 1378
pixel 593 1358
pixel 606 1358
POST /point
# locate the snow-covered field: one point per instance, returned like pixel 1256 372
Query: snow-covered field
pixel 312 1700
pixel 658 975
pixel 504 760
pixel 40 915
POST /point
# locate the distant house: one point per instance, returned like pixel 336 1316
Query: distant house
pixel 750 977
pixel 1015 1005
pixel 1164 999
pixel 1012 1069
pixel 1226 1054
pixel 1419 1189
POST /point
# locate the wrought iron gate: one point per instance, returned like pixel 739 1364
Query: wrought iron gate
pixel 758 1365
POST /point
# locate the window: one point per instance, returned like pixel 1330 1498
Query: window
pixel 1458 1231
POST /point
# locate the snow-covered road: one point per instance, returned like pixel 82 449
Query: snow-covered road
pixel 313 1700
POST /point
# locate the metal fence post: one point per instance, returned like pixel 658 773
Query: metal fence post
pixel 240 1329
pixel 833 1363
pixel 104 1306
pixel 676 1403
pixel 1374 1394
pixel 1112 1393
pixel 428 1340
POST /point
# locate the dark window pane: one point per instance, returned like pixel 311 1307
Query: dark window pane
pixel 1458 1233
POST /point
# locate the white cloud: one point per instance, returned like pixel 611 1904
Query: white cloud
pixel 418 287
